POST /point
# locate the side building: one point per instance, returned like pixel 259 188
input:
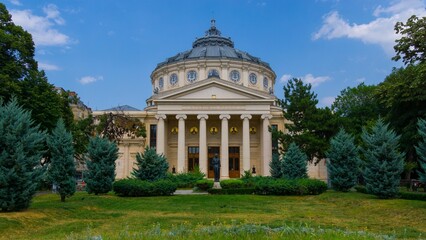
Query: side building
pixel 210 99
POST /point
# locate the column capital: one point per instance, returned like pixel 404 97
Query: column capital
pixel 179 116
pixel 266 116
pixel 248 116
pixel 227 116
pixel 205 116
pixel 161 116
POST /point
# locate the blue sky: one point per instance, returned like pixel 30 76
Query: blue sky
pixel 106 50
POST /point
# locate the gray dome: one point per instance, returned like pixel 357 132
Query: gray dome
pixel 213 46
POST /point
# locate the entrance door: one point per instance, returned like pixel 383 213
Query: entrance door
pixel 211 152
pixel 234 162
pixel 193 158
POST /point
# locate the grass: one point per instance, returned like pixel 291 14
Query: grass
pixel 330 215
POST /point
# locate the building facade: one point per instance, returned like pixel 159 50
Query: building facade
pixel 210 99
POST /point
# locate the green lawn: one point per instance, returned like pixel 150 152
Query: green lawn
pixel 331 215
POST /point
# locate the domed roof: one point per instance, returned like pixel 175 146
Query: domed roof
pixel 213 46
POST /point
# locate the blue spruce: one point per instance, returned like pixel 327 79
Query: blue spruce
pixel 294 163
pixel 150 165
pixel 383 162
pixel 100 173
pixel 21 150
pixel 275 166
pixel 62 166
pixel 421 149
pixel 343 161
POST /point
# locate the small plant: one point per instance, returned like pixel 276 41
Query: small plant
pixel 204 184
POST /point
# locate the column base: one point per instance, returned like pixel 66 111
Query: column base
pixel 216 185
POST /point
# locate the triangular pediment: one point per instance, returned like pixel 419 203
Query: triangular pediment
pixel 216 89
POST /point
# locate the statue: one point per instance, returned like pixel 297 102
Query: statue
pixel 216 167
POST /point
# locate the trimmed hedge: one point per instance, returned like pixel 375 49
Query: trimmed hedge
pixel 269 186
pixel 231 191
pixel 204 184
pixel 139 188
pixel 232 184
pixel 412 196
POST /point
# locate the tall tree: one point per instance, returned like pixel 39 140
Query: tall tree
pixel 343 161
pixel 115 125
pixel 295 163
pixel 21 150
pixel 150 165
pixel 100 174
pixel 62 166
pixel 421 149
pixel 411 47
pixel 275 166
pixel 383 161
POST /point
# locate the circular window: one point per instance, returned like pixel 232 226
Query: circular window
pixel 213 73
pixel 265 82
pixel 161 83
pixel 173 79
pixel 253 78
pixel 191 76
pixel 235 75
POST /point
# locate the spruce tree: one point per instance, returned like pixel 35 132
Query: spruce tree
pixel 100 173
pixel 150 165
pixel 62 165
pixel 383 162
pixel 275 166
pixel 294 163
pixel 343 161
pixel 421 149
pixel 21 150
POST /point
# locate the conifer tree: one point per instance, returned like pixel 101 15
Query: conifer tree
pixel 62 165
pixel 294 163
pixel 383 162
pixel 21 150
pixel 421 149
pixel 343 161
pixel 102 155
pixel 150 165
pixel 275 166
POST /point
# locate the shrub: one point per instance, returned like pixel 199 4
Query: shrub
pixel 151 166
pixel 412 196
pixel 269 186
pixel 204 184
pixel 186 180
pixel 139 188
pixel 231 191
pixel 231 183
pixel 251 181
pixel 361 189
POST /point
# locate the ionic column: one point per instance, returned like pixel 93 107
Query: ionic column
pixel 266 145
pixel 181 143
pixel 161 138
pixel 224 147
pixel 246 141
pixel 203 143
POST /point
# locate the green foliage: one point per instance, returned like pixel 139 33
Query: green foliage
pixel 204 184
pixel 140 188
pixel 356 107
pixel 412 196
pixel 383 162
pixel 294 163
pixel 82 131
pixel 271 186
pixel 150 165
pixel 411 47
pixel 343 162
pixel 239 191
pixel 62 167
pixel 275 166
pixel 188 179
pixel 21 149
pixel 114 125
pixel 102 155
pixel 232 183
pixel 421 149
pixel 309 127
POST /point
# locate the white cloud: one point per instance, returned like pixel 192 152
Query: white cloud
pixel 314 81
pixel 15 2
pixel 327 101
pixel 379 31
pixel 42 27
pixel 48 67
pixel 90 79
pixel 285 78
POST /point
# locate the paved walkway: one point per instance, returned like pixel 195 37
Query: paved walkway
pixel 188 192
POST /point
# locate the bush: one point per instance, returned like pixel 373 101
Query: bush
pixel 412 196
pixel 231 191
pixel 269 186
pixel 139 188
pixel 186 180
pixel 231 183
pixel 361 189
pixel 204 184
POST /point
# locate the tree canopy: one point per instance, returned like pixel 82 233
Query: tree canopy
pixel 411 47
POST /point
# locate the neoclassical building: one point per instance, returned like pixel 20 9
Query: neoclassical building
pixel 212 98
